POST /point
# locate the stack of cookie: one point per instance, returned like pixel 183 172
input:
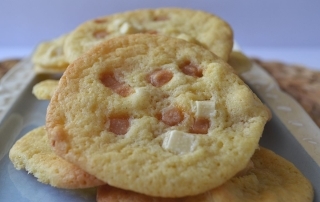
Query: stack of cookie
pixel 193 26
pixel 149 109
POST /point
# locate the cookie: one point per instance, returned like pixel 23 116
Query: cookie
pixel 45 89
pixel 239 62
pixel 271 178
pixel 49 57
pixel 154 114
pixel 194 26
pixel 32 152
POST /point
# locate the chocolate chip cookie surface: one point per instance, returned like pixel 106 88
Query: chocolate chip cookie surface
pixel 33 153
pixel 195 26
pixel 156 115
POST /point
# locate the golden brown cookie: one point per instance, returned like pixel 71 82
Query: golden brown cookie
pixel 153 114
pixel 271 178
pixel 45 89
pixel 239 62
pixel 49 57
pixel 32 152
pixel 194 26
pixel 108 193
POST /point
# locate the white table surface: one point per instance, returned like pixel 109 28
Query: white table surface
pixel 307 57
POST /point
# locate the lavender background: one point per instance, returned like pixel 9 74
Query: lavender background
pixel 283 29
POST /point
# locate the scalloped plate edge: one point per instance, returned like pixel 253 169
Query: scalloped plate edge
pixel 286 108
pixel 13 83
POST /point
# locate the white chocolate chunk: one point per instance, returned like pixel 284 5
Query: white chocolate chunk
pixel 179 142
pixel 117 23
pixel 205 109
pixel 171 31
pixel 54 51
pixel 58 51
pixel 140 98
pixel 186 37
pixel 127 28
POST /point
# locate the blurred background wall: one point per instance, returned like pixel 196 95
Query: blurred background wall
pixel 255 23
pixel 264 23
